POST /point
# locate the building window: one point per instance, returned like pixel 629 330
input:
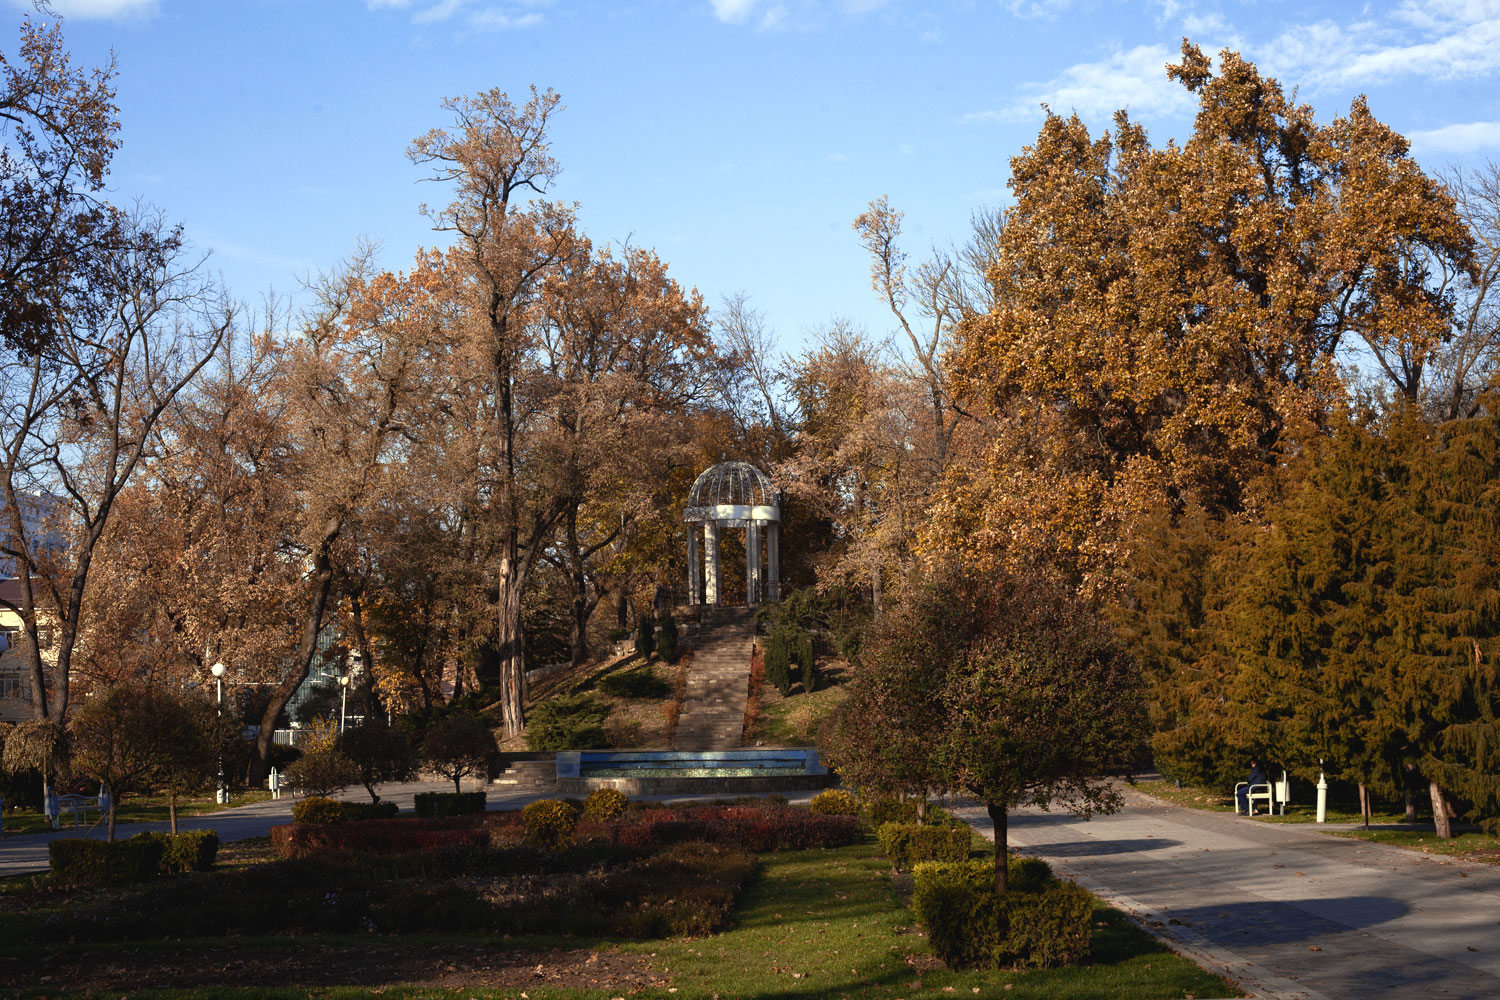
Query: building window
pixel 12 686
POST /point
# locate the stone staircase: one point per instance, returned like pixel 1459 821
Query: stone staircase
pixel 713 710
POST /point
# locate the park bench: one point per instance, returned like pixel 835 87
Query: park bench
pixel 79 806
pixel 1272 793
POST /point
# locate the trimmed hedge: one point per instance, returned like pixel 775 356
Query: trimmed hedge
pixel 430 804
pixel 755 829
pixel 78 862
pixel 906 844
pixel 376 836
pixel 1041 922
pixel 354 811
pixel 834 802
pixel 318 809
pixel 605 803
pixel 193 851
pixel 550 823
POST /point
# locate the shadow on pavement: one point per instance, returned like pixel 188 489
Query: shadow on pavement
pixel 1099 848
pixel 1298 921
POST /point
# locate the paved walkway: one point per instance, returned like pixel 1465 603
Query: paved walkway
pixel 1284 911
pixel 27 852
pixel 24 853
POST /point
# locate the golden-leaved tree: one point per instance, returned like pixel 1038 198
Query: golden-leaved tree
pixel 1163 314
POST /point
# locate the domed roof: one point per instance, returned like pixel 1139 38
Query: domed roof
pixel 729 484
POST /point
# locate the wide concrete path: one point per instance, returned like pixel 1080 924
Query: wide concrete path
pixel 1279 908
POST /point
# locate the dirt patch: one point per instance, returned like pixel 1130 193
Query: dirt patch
pixel 381 962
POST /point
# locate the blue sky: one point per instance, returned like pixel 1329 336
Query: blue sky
pixel 737 137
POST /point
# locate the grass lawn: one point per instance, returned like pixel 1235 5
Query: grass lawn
pixel 814 924
pixel 794 720
pixel 1296 812
pixel 1469 845
pixel 134 809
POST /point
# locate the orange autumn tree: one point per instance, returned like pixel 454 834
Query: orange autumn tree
pixel 1163 314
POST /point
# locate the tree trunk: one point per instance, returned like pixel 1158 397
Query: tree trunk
pixel 1411 806
pixel 1441 819
pixel 322 576
pixel 512 656
pixel 1364 804
pixel 1001 819
pixel 113 802
pixel 171 810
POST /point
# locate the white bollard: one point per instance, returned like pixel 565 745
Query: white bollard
pixel 274 784
pixel 1322 798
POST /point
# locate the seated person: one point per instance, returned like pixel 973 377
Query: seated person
pixel 1257 777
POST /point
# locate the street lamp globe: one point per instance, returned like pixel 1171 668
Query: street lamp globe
pixel 217 669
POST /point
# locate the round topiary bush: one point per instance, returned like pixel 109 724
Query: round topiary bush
pixel 318 809
pixel 550 823
pixel 834 802
pixel 605 803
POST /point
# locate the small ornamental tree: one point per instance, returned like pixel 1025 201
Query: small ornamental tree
pixel 666 640
pixel 645 637
pixel 322 772
pixel 194 744
pixel 126 737
pixel 39 745
pixel 1005 687
pixel 458 746
pixel 379 753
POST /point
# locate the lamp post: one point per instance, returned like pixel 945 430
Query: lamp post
pixel 221 792
pixel 343 700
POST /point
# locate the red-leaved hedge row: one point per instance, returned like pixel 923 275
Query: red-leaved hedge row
pixel 752 828
pixel 377 836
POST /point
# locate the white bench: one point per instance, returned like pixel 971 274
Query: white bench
pixel 1272 793
pixel 79 806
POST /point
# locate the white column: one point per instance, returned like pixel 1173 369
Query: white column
pixel 773 561
pixel 752 563
pixel 711 562
pixel 694 595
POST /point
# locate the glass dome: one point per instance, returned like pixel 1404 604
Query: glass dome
pixel 732 490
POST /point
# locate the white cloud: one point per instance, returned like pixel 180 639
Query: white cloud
pixel 734 11
pixel 1036 10
pixel 440 11
pixel 492 17
pixel 1135 79
pixel 838 158
pixel 1466 137
pixel 89 10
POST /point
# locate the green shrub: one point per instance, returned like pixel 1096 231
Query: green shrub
pixel 80 862
pixel 193 851
pixel 369 810
pixel 808 660
pixel 318 809
pixel 639 683
pixel 666 640
pixel 888 809
pixel 778 659
pixel 1048 928
pixel 1027 874
pixel 605 803
pixel 550 823
pixel 575 723
pixel 1040 922
pixel 908 843
pixel 645 637
pixel 834 802
pixel 955 903
pixel 429 804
